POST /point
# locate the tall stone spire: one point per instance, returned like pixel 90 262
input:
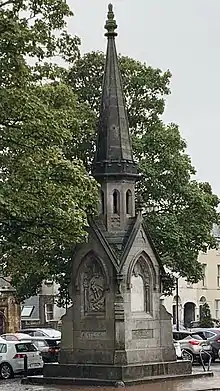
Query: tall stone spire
pixel 114 152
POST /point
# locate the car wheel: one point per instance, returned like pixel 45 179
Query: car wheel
pixel 6 371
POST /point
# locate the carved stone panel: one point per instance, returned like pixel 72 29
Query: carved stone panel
pixel 93 288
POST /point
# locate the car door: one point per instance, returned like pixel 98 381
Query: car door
pixel 3 352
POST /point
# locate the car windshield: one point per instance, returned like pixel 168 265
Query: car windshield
pixel 40 343
pixel 52 333
pixel 53 342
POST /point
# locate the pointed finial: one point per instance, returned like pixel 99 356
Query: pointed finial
pixel 110 24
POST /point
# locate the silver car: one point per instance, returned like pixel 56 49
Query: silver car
pixel 192 345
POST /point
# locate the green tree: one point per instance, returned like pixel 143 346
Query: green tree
pixel 44 197
pixel 178 210
pixel 46 192
pixel 205 316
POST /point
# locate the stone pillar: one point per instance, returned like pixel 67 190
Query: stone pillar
pixel 11 311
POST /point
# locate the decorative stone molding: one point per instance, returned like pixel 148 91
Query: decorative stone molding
pixel 145 267
pixel 92 257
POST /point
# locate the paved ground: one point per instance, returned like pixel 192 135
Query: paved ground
pixel 202 384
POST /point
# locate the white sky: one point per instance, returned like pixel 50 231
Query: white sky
pixel 180 35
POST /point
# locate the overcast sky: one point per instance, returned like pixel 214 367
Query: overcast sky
pixel 180 35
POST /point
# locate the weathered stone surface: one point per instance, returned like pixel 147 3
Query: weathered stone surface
pixel 116 327
pixel 10 312
pixel 121 373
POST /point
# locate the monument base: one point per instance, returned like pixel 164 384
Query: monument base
pixel 92 374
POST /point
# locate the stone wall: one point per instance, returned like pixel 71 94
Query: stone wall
pixel 10 313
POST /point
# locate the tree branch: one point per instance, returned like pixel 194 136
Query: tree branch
pixel 6 3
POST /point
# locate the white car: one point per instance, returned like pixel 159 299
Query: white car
pixel 42 332
pixel 178 350
pixel 12 355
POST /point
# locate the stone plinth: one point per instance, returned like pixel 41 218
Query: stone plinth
pixel 96 374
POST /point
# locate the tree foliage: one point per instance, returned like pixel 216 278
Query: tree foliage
pixel 46 192
pixel 33 29
pixel 48 130
pixel 205 316
pixel 179 211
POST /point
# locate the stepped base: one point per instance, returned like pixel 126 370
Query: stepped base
pixel 112 375
pixel 41 380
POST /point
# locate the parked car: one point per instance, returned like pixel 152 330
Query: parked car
pixel 177 349
pixel 193 345
pixel 49 347
pixel 42 332
pixel 213 336
pixel 12 358
pixel 16 337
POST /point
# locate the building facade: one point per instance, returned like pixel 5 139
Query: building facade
pixel 192 296
pixel 42 310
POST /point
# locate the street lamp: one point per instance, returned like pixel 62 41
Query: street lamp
pixel 176 276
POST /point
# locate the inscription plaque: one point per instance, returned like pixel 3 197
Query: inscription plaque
pixel 142 334
pixel 93 334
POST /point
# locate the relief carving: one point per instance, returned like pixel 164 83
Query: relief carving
pixel 93 288
pixel 115 221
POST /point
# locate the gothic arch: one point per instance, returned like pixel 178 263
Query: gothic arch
pixel 128 202
pixel 141 286
pixel 89 257
pixel 102 202
pixel 115 202
pixel 146 263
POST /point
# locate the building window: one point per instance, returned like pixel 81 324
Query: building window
pixel 189 284
pixel 26 311
pixel 128 202
pixel 102 202
pixel 204 275
pixel 218 276
pixel 115 202
pixel 49 312
pixel 217 309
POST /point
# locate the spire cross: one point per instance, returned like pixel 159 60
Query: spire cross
pixel 110 24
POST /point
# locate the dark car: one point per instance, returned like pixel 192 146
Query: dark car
pixel 213 336
pixel 49 348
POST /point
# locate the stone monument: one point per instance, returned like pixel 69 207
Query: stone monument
pixel 116 329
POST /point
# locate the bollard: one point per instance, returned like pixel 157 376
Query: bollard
pixel 25 366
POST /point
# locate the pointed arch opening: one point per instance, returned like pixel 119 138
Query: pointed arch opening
pixel 141 287
pixel 102 202
pixel 116 202
pixel 128 202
